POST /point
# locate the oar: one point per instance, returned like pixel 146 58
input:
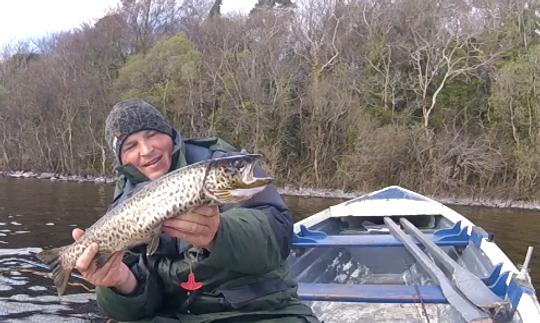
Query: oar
pixel 468 311
pixel 466 282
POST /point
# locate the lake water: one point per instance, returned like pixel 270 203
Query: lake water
pixel 41 214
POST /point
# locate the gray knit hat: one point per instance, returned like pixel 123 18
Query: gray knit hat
pixel 130 116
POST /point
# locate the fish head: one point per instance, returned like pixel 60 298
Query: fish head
pixel 231 179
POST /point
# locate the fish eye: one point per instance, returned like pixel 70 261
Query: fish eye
pixel 239 164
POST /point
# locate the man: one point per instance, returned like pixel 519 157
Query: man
pixel 237 253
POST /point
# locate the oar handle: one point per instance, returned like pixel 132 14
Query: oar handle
pixel 449 263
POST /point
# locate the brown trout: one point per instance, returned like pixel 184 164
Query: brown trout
pixel 139 219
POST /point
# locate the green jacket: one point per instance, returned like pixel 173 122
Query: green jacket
pixel 245 277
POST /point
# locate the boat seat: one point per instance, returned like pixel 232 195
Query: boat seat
pixel 373 293
pixel 309 239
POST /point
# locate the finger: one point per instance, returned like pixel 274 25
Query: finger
pixel 194 217
pixel 203 241
pixel 117 258
pixel 207 210
pixel 186 226
pixel 174 233
pixel 77 233
pixel 85 259
pixel 113 262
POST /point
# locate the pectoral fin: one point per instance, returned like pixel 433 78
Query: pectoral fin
pixel 153 245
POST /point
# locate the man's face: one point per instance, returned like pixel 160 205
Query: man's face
pixel 150 151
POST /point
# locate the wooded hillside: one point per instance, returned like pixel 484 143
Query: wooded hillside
pixel 439 96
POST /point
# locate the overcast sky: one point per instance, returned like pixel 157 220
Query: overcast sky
pixel 24 19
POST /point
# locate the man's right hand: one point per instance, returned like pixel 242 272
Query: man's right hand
pixel 114 273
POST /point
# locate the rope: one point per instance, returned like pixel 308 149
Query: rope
pixel 421 302
pixel 415 277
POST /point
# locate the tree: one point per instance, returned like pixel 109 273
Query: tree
pixel 448 48
pixel 149 20
pixel 163 74
pixel 515 101
pixel 215 11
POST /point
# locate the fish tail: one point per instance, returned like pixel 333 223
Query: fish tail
pixel 60 271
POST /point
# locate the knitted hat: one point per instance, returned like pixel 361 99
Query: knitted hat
pixel 130 116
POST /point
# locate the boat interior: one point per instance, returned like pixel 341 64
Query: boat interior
pixel 332 258
pixel 379 258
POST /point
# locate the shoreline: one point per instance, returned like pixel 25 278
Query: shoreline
pixel 289 190
pixel 461 201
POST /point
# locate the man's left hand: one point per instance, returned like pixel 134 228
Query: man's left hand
pixel 198 226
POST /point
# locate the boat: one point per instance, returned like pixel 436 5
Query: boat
pixel 394 255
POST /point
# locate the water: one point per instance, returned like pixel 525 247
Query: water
pixel 41 214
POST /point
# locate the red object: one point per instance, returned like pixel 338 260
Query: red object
pixel 191 285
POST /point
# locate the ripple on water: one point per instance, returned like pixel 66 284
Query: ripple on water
pixel 27 294
pixel 16 281
pixel 19 252
pixel 49 308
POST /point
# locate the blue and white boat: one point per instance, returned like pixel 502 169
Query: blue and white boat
pixel 397 256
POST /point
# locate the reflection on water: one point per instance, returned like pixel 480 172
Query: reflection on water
pixel 38 214
pixel 514 231
pixel 26 294
pixel 42 214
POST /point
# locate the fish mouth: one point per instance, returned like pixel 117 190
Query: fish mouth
pixel 241 183
pixel 251 181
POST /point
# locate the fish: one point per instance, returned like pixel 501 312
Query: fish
pixel 139 219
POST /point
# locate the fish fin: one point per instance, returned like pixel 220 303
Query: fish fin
pixel 60 272
pixel 153 245
pixel 102 258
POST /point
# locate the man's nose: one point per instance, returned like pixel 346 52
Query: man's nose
pixel 146 148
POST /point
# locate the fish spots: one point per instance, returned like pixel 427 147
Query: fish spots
pixel 135 219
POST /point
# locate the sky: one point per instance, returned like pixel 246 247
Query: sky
pixel 33 19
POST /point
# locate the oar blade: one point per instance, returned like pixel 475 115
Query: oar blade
pixel 471 286
pixel 468 311
pixel 480 295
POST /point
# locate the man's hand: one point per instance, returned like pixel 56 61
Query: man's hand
pixel 113 274
pixel 198 226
